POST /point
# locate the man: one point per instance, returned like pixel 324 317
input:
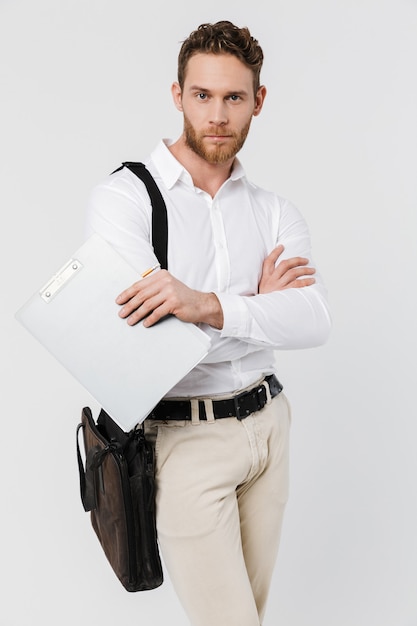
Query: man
pixel 239 267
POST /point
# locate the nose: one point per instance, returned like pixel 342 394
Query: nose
pixel 218 112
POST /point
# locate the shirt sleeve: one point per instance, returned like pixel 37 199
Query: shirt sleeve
pixel 119 210
pixel 289 319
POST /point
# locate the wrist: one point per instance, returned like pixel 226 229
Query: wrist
pixel 212 311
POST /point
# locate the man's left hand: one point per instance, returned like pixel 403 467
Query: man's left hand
pixel 290 273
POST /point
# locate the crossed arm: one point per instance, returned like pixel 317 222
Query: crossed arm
pixel 160 294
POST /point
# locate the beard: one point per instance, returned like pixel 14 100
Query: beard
pixel 217 154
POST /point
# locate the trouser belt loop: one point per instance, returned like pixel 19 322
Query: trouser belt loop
pixel 208 405
pixel 268 392
pixel 195 417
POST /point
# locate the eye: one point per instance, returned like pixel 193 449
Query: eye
pixel 202 96
pixel 234 98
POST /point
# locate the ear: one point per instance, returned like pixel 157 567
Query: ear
pixel 259 100
pixel 177 95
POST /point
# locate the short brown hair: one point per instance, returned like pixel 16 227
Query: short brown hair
pixel 222 38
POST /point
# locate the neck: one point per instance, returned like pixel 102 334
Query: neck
pixel 208 177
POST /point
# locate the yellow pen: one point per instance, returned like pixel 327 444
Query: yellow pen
pixel 150 270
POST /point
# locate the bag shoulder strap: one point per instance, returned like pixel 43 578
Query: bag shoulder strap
pixel 159 212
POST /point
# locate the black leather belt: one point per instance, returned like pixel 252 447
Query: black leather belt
pixel 239 406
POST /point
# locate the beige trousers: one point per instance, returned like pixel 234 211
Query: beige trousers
pixel 222 487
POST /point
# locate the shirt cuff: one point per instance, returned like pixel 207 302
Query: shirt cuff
pixel 236 318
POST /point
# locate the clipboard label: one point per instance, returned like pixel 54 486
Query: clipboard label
pixel 60 279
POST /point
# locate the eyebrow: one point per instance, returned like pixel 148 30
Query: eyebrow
pixel 231 92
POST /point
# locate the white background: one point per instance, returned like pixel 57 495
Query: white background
pixel 85 85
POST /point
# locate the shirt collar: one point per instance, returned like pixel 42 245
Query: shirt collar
pixel 171 170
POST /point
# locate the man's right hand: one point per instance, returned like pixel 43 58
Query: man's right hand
pixel 287 274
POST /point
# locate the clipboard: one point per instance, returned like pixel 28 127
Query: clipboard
pixel 127 369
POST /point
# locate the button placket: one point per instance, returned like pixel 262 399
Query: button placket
pixel 220 243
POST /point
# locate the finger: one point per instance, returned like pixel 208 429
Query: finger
pixel 138 309
pixel 139 286
pixel 296 273
pixel 154 317
pixel 149 317
pixel 285 269
pixel 145 300
pixel 128 293
pixel 273 256
pixel 300 282
pixel 130 306
pixel 301 271
pixel 295 261
pixel 135 317
pixel 136 295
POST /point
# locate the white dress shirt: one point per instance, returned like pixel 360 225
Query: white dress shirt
pixel 218 245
